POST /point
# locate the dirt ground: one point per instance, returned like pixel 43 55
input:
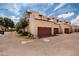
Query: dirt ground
pixel 61 45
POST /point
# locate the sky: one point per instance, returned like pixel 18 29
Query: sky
pixel 65 11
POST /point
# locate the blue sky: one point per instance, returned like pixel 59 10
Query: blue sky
pixel 64 11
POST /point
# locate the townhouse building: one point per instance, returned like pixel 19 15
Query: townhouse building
pixel 42 26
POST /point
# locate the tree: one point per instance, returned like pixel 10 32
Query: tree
pixel 21 25
pixel 8 22
pixel 18 28
pixel 11 24
pixel 1 21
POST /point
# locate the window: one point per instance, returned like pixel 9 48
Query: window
pixel 66 22
pixel 48 18
pixel 57 20
pixel 53 18
pixel 40 16
pixel 29 12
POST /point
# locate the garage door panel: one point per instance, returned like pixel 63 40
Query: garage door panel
pixel 66 30
pixel 56 30
pixel 44 31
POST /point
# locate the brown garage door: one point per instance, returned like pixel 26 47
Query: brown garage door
pixel 44 31
pixel 66 30
pixel 76 30
pixel 56 30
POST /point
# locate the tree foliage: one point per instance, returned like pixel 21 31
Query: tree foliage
pixel 6 22
pixel 1 21
pixel 21 25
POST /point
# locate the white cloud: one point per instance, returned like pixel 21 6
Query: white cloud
pixel 50 4
pixel 75 21
pixel 63 10
pixel 2 14
pixel 50 14
pixel 14 8
pixel 14 18
pixel 66 15
pixel 59 6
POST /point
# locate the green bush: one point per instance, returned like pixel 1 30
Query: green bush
pixel 24 33
pixel 20 28
pixel 30 36
pixel 19 31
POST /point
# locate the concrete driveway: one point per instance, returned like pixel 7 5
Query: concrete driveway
pixel 61 45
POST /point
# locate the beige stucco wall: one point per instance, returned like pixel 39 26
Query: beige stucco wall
pixel 63 26
pixel 72 27
pixel 34 24
pixel 75 27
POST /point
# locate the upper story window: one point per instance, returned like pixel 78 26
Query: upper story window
pixel 60 21
pixel 29 13
pixel 57 20
pixel 40 16
pixel 53 18
pixel 66 22
pixel 48 18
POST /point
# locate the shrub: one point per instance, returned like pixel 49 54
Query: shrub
pixel 30 36
pixel 25 33
pixel 19 31
pixel 20 28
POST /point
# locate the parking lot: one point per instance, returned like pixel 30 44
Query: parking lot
pixel 60 45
